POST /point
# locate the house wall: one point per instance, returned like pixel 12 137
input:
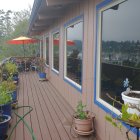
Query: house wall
pixel 87 8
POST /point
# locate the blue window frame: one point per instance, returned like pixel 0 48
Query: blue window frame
pixel 47 50
pixel 117 50
pixel 73 61
pixel 55 51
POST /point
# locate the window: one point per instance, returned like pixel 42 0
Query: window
pixel 118 49
pixel 73 53
pixel 41 48
pixel 47 50
pixel 55 65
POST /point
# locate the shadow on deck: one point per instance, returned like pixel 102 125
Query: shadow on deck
pixel 51 116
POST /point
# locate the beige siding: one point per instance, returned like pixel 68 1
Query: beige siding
pixel 105 131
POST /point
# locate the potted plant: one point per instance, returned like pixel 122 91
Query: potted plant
pixel 132 98
pixel 83 120
pixel 5 102
pixel 4 125
pixel 9 87
pixel 131 119
pixel 41 69
pixel 10 69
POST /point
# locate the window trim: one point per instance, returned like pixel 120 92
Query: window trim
pixel 71 22
pixel 98 101
pixel 53 69
pixel 47 65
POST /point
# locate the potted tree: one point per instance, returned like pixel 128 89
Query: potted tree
pixel 83 120
pixel 41 69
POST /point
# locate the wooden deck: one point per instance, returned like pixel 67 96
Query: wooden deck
pixel 51 116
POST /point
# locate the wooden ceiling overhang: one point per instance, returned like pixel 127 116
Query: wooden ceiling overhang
pixel 45 12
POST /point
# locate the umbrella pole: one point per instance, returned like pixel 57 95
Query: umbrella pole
pixel 24 55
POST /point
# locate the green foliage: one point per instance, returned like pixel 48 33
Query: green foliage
pixel 80 112
pixel 113 121
pixel 11 68
pixel 125 114
pixel 41 64
pixel 5 98
pixel 7 86
pixel 12 25
pixel 132 119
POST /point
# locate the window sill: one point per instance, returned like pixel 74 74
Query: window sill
pixel 73 84
pixel 55 71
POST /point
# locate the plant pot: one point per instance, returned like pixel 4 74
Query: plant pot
pixel 15 74
pixel 15 78
pixel 85 125
pixel 42 75
pixel 4 126
pixel 14 96
pixel 6 108
pixel 131 101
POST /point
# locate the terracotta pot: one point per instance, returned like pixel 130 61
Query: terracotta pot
pixel 85 125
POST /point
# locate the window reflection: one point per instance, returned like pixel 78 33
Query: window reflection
pixel 74 38
pixel 41 45
pixel 120 56
pixel 47 50
pixel 56 51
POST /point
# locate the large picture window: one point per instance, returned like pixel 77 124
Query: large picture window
pixel 73 53
pixel 47 50
pixel 55 51
pixel 118 49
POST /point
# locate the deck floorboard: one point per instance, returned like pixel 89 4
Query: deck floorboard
pixel 51 117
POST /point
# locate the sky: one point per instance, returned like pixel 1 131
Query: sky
pixel 122 24
pixel 15 5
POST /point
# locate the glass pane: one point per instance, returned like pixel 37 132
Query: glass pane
pixel 74 38
pixel 47 51
pixel 120 56
pixel 56 51
pixel 41 43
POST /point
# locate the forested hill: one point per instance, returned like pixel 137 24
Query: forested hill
pixel 12 25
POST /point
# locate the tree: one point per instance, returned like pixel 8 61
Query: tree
pixel 12 25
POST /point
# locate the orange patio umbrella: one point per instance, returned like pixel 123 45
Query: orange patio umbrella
pixel 22 40
pixel 69 42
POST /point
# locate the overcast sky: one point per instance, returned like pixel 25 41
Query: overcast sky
pixel 122 24
pixel 15 5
